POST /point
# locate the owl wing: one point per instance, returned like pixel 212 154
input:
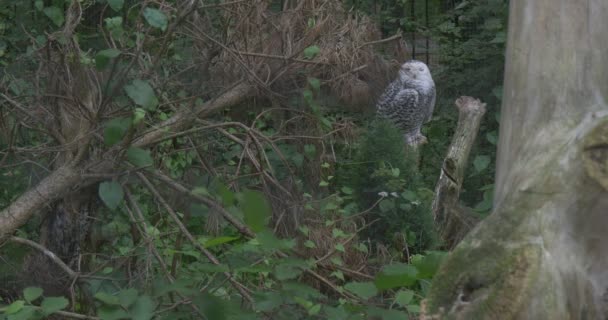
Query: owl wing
pixel 403 109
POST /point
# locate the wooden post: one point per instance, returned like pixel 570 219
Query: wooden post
pixel 453 220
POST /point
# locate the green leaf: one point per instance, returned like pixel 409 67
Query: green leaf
pixel 111 193
pixel 115 130
pixel 309 244
pixel 311 52
pixel 55 14
pixel 404 297
pixel 364 290
pixel 219 240
pixel 31 293
pixel 387 205
pixel 107 299
pixel 396 275
pixel 143 309
pixel 413 308
pixel 428 264
pixel 314 83
pixel 139 157
pixel 53 304
pixel 256 209
pixel 156 18
pixel 268 301
pixel 103 57
pixel 112 313
pixel 481 163
pixel 386 314
pixel 138 115
pixel 116 5
pixel 142 94
pixel 347 190
pixel 14 307
pixel 289 269
pixel 39 4
pixel 340 247
pixel 492 137
pixel 337 313
pixel 26 313
pixel 127 297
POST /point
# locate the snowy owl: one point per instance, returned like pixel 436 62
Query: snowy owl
pixel 409 100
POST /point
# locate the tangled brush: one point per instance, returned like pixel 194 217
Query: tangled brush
pixel 278 48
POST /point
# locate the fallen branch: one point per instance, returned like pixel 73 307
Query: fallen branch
pixel 452 219
pixel 71 273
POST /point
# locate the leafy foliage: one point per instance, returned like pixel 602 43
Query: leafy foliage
pixel 307 189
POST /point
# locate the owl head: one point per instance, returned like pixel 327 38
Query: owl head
pixel 414 70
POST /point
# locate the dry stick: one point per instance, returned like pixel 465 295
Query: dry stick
pixel 239 287
pixel 242 228
pixel 157 255
pixel 333 250
pixel 71 273
pixel 284 58
pixel 137 223
pixel 75 315
pixel 395 37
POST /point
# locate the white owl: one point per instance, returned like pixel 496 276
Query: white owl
pixel 409 100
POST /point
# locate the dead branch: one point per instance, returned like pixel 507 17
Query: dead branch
pixel 71 273
pixel 452 219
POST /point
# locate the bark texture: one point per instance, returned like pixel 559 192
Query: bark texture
pixel 543 252
pixel 453 220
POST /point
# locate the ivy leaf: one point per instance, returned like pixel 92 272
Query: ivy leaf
pixel 55 14
pixel 142 94
pixel 32 293
pixel 103 57
pixel 115 130
pixel 396 275
pixel 364 290
pixel 481 163
pixel 111 194
pixel 156 18
pixel 53 304
pixel 139 157
pixel 256 209
pixel 116 5
pixel 311 52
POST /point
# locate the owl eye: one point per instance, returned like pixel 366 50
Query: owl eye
pixel 421 69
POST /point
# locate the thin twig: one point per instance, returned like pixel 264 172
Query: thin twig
pixel 238 286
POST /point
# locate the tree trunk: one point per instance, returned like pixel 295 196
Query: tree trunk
pixel 542 254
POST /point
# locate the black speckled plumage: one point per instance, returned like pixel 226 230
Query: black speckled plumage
pixel 409 100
